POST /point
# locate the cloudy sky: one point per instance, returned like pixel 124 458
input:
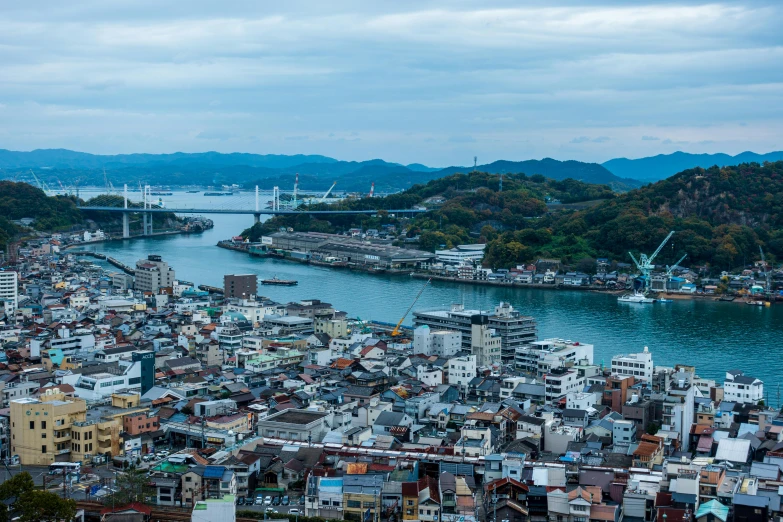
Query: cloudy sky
pixel 407 81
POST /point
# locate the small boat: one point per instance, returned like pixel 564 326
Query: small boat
pixel 755 303
pixel 161 193
pixel 218 193
pixel 636 297
pixel 193 191
pixel 281 282
pixel 664 300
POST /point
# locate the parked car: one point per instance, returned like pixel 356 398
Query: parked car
pixel 268 500
pixel 301 501
pixel 240 501
pixel 249 501
pixel 293 511
pixel 285 500
pixel 276 500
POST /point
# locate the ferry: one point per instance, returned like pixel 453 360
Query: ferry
pixel 161 193
pixel 281 282
pixel 636 297
pixel 218 193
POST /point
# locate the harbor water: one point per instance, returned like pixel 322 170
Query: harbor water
pixel 713 336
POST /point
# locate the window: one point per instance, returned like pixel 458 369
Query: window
pixel 188 479
pixel 354 504
pixel 43 449
pixel 409 502
pixel 32 425
pixel 43 425
pixel 324 502
pixel 43 435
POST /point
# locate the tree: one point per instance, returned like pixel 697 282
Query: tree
pixel 37 506
pixel 187 410
pixel 225 394
pixel 22 500
pixel 131 486
pixel 652 428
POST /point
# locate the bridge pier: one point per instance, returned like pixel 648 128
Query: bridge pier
pixel 147 223
pixel 125 225
pixel 256 218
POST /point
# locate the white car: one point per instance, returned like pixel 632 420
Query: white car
pixel 268 501
pixel 293 511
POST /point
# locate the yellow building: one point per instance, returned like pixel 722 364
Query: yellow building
pixel 99 433
pixel 41 428
pixel 54 428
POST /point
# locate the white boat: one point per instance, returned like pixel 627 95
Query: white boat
pixel 636 297
pixel 664 300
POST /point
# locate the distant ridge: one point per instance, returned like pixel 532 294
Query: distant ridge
pixel 316 171
pixel 662 166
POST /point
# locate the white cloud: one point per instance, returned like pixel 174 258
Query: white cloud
pixel 492 74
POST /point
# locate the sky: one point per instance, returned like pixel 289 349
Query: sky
pixel 407 81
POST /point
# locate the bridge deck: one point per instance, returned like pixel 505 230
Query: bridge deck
pixel 250 212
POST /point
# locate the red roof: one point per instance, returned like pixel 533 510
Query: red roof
pixel 133 506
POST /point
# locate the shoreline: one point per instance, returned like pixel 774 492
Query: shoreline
pixel 245 248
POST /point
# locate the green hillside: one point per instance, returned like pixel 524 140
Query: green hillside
pixel 721 216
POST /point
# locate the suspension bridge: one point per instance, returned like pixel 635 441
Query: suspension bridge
pixel 227 202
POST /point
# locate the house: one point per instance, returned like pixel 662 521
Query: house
pixel 391 422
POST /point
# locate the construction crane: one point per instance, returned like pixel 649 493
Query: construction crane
pixel 396 331
pixel 327 193
pixel 41 185
pixel 107 182
pixel 645 264
pixel 767 272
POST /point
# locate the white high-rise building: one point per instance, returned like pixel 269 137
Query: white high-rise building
pixel 639 365
pixel 443 343
pixel 9 291
pixel 461 370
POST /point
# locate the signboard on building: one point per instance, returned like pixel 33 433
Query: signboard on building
pixel 371 257
pixel 266 240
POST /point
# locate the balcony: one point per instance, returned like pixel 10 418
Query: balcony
pixel 62 436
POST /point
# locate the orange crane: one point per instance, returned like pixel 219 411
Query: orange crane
pixel 396 331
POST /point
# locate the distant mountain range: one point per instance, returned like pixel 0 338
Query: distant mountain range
pixel 55 166
pixel 662 166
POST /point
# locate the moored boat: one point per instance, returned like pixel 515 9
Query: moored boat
pixel 281 282
pixel 636 297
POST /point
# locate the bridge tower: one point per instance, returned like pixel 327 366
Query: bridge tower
pixel 125 216
pixel 147 216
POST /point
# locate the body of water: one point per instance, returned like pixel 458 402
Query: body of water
pixel 714 337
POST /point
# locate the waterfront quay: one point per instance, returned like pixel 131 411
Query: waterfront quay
pixel 292 405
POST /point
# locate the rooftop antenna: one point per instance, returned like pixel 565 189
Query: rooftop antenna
pixel 475 163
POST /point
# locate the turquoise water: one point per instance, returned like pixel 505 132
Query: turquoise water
pixel 714 337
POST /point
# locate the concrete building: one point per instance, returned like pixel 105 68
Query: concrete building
pixel 41 428
pixel 9 291
pixel 302 425
pixel 461 370
pixel 540 357
pixel 485 342
pixel 739 387
pixel 152 274
pixel 623 431
pixel 640 365
pixel 242 286
pixel 443 343
pixel 461 255
pixel 515 330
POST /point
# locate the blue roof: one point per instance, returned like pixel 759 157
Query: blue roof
pixel 214 472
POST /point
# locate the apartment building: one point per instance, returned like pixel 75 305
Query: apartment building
pixel 9 291
pixel 41 428
pixel 152 274
pixel 514 329
pixel 640 365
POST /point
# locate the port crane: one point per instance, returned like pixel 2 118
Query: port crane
pixel 327 193
pixel 396 331
pixel 645 263
pixel 42 185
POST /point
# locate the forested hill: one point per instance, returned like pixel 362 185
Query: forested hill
pixel 721 216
